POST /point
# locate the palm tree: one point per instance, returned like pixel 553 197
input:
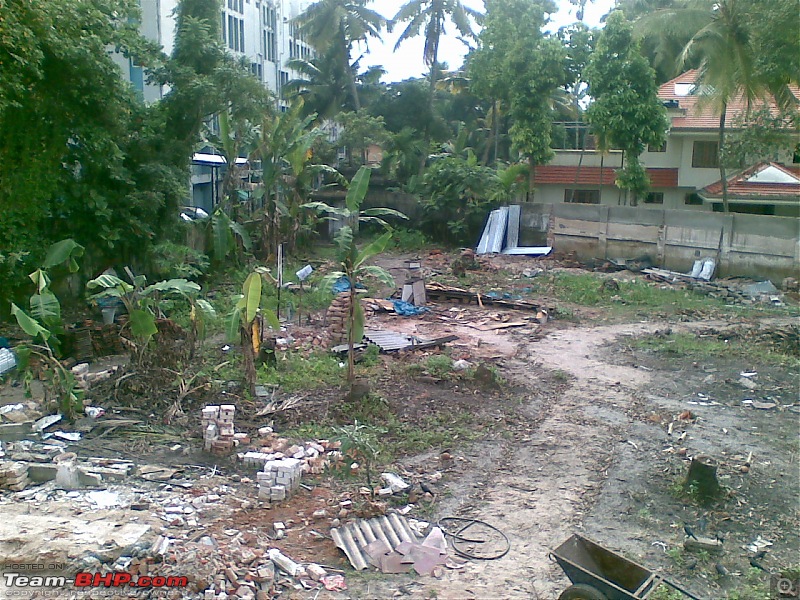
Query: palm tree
pixel 726 67
pixel 339 24
pixel 431 16
pixel 722 48
pixel 322 84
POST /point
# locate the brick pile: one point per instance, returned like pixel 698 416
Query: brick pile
pixel 219 435
pixel 336 318
pixel 13 476
pixel 279 479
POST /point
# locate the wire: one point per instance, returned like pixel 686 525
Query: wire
pixel 457 537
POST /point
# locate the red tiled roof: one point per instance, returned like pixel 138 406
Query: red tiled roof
pixel 739 185
pixel 694 116
pixel 659 178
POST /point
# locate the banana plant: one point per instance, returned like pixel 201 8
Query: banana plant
pixel 246 322
pixel 144 303
pixel 44 325
pixel 352 260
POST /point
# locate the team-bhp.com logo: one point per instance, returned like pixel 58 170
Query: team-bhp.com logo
pixel 93 580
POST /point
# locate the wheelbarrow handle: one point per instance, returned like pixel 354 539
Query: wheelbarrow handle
pixel 682 590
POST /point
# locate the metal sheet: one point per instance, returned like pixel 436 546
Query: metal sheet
pixel 529 250
pixel 498 232
pixel 387 340
pixel 512 231
pixel 354 537
pixel 483 245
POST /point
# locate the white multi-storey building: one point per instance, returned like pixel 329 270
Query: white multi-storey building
pixel 261 31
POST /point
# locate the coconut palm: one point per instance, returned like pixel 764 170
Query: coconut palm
pixel 430 16
pixel 723 51
pixel 339 24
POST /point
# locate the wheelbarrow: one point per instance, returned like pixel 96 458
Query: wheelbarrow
pixel 599 574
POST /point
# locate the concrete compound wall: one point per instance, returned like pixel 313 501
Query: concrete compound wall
pixel 749 245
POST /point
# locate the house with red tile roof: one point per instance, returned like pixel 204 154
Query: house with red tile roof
pixel 684 172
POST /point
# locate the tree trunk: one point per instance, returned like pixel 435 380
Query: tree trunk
pixel 351 72
pixel 496 131
pixel 486 150
pixel 722 174
pixel 248 353
pixel 531 178
pixel 431 88
pixel 701 481
pixel 351 321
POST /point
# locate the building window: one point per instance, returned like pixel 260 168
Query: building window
pixel 284 78
pixel 661 148
pixel 654 198
pixel 705 155
pixel 270 28
pixel 693 200
pixel 582 196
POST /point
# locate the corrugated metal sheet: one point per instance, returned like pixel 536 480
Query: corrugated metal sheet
pixel 354 537
pixel 512 232
pixel 498 233
pixel 494 233
pixel 483 245
pixel 387 340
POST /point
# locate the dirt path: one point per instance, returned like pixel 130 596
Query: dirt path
pixel 538 487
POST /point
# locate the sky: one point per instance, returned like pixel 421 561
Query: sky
pixel 407 61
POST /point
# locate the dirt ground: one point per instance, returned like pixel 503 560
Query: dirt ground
pixel 583 435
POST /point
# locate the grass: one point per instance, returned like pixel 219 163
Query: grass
pixel 295 372
pixel 692 346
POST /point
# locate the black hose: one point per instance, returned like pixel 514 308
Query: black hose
pixel 457 537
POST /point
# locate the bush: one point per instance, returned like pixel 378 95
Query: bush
pixel 456 197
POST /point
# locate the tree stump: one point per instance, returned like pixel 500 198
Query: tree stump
pixel 701 481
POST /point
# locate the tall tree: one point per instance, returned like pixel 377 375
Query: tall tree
pixel 518 64
pixel 337 25
pixel 727 67
pixel 431 16
pixel 626 108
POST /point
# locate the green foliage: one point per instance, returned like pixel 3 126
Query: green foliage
pixel 360 131
pixel 145 303
pixel 334 26
pixel 664 592
pixel 626 109
pixel 177 261
pixel 761 135
pixel 360 443
pixel 521 66
pixel 294 372
pixel 700 348
pixel 44 327
pixel 289 173
pixel 439 365
pixel 408 240
pixel 457 193
pixel 352 261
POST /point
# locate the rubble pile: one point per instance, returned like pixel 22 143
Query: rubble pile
pixel 13 475
pixel 313 456
pixel 86 378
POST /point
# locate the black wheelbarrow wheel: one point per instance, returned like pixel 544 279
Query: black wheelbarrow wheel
pixel 581 591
